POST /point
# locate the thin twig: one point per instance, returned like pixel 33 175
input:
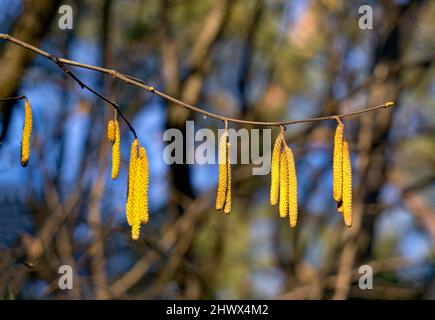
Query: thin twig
pixel 84 86
pixel 141 84
pixel 12 98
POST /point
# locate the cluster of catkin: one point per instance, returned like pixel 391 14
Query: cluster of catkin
pixel 223 197
pixel 114 136
pixel 136 208
pixel 283 186
pixel 342 175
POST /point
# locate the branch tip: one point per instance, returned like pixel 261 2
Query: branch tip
pixel 388 104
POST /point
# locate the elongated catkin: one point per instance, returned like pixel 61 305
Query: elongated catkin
pixel 283 184
pixel 223 175
pixel 274 171
pixel 227 206
pixel 140 194
pixel 116 152
pixel 337 163
pixel 129 207
pixel 347 185
pixel 111 131
pixel 27 133
pixel 292 187
pixel 141 189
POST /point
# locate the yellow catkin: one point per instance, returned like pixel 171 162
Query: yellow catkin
pixel 337 163
pixel 116 152
pixel 223 176
pixel 292 187
pixel 274 171
pixel 283 184
pixel 347 185
pixel 111 131
pixel 27 133
pixel 141 189
pixel 135 231
pixel 227 207
pixel 140 196
pixel 129 207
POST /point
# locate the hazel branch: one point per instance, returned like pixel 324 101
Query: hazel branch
pixel 61 62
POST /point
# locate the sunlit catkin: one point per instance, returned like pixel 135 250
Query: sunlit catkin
pixel 116 152
pixel 283 184
pixel 223 175
pixel 111 131
pixel 129 207
pixel 141 188
pixel 27 133
pixel 274 171
pixel 135 231
pixel 347 185
pixel 337 163
pixel 138 186
pixel 227 206
pixel 292 187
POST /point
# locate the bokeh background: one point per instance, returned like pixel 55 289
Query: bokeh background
pixel 263 60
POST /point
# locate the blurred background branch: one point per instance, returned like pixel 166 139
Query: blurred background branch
pixel 251 60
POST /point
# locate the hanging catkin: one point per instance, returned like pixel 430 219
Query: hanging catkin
pixel 274 171
pixel 141 189
pixel 129 207
pixel 227 207
pixel 347 185
pixel 283 183
pixel 116 152
pixel 337 163
pixel 140 198
pixel 111 131
pixel 223 175
pixel 138 192
pixel 292 187
pixel 27 133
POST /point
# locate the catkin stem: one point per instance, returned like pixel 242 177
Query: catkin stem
pixel 27 133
